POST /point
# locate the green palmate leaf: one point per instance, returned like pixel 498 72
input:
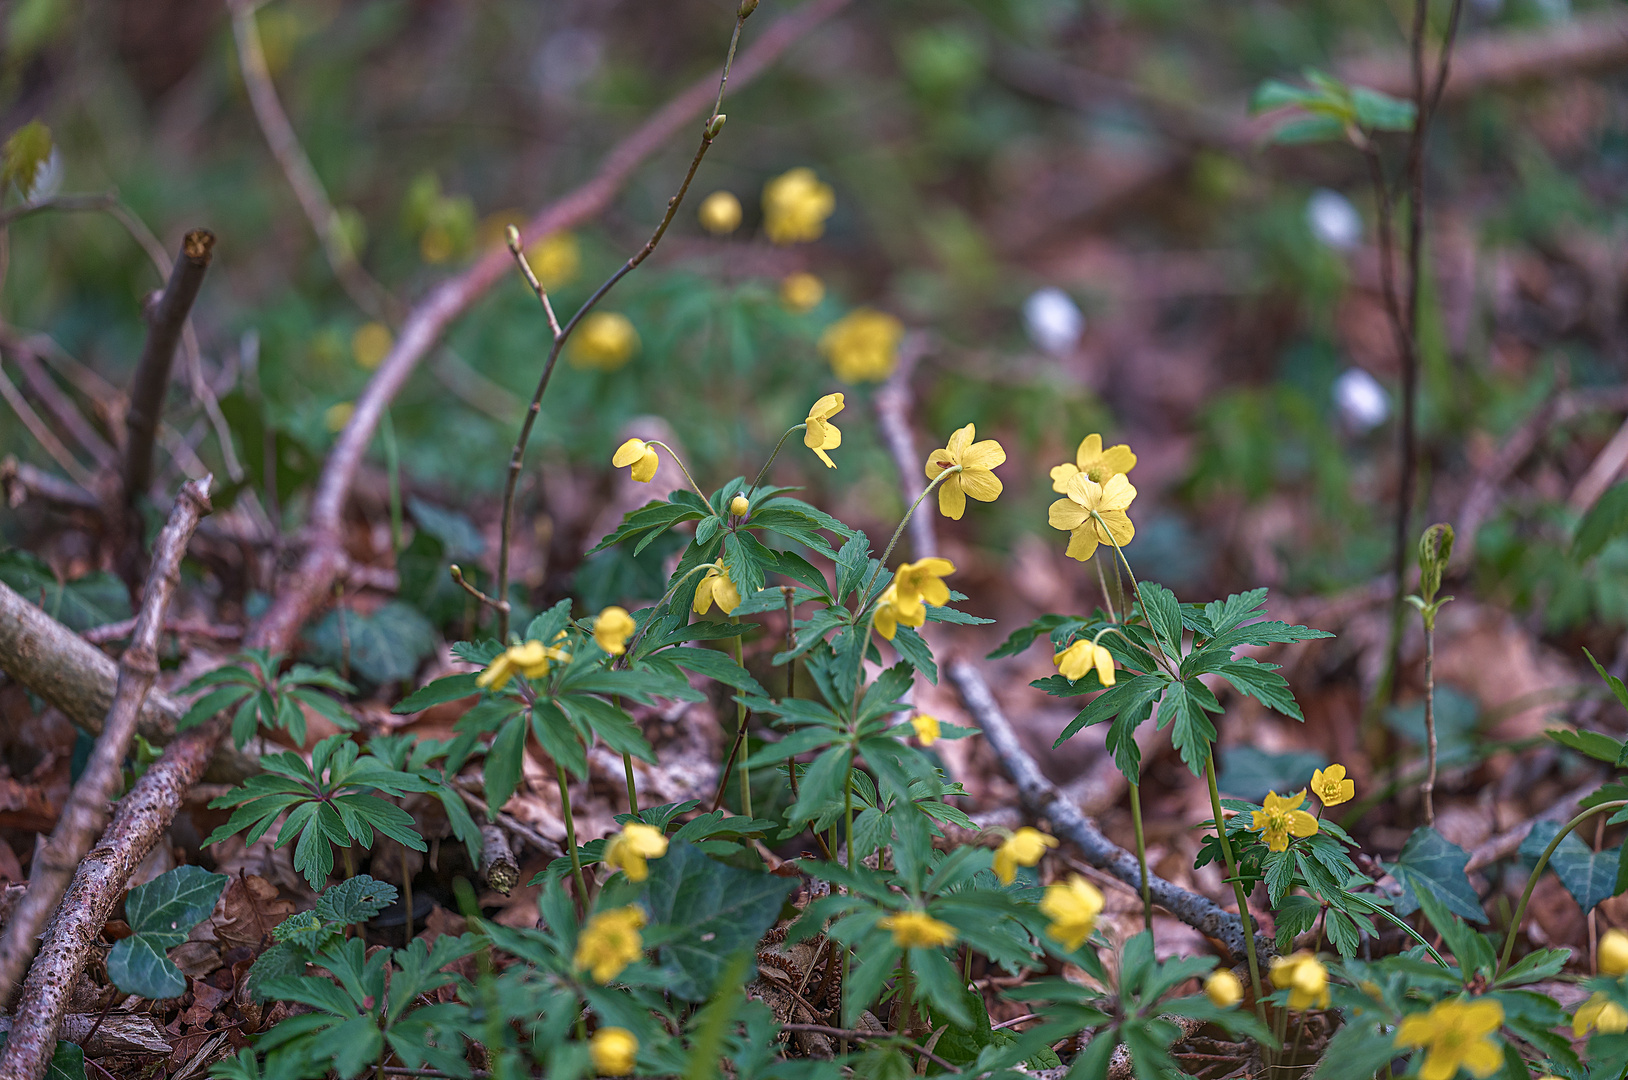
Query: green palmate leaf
pixel 1591 743
pixel 1124 695
pixel 161 913
pixel 1024 636
pixel 1605 521
pixel 651 521
pixel 853 564
pixel 1357 1052
pixel 1184 707
pixel 501 773
pixel 1164 616
pixel 704 912
pixel 715 665
pixel 1618 690
pixel 609 722
pixel 451 688
pixel 1431 862
pixel 355 900
pixel 1590 876
pixel 559 739
pixel 1263 683
pixel 913 648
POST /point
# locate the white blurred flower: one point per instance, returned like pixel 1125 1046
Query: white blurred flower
pixel 1362 402
pixel 1053 320
pixel 48 178
pixel 1334 220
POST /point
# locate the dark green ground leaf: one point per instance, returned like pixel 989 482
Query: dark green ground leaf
pixel 93 600
pixel 1430 861
pixel 161 913
pixel 707 911
pixel 1590 876
pixel 1607 520
pixel 67 1061
pixel 1248 772
pixel 384 647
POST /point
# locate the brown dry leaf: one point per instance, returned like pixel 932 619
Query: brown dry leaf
pixel 249 907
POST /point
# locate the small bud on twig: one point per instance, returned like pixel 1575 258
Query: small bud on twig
pixel 716 126
pixel 746 8
pixel 1435 550
pixel 514 238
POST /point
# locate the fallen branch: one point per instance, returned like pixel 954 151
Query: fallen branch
pixel 1041 799
pixel 152 378
pixel 119 1033
pixel 20 482
pixel 308 586
pixel 497 863
pixel 1507 843
pixel 45 996
pixel 80 680
pixel 893 405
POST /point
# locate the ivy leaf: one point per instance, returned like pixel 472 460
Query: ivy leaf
pixel 384 647
pixel 161 913
pixel 705 912
pixel 1590 876
pixel 93 600
pixel 1431 861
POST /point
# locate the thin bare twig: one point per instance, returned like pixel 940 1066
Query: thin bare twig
pixel 33 1038
pixel 893 405
pixel 306 588
pixel 42 432
pixel 62 409
pixel 152 376
pixel 872 1036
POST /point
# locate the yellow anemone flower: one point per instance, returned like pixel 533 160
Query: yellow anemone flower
pixel 1456 1035
pixel 614 1051
pixel 716 588
pixel 801 292
pixel 370 345
pixel 1022 848
pixel 1081 657
pixel 1094 514
pixel 1094 463
pixel 612 629
pixel 1306 978
pixel 795 206
pixel 629 849
pixel 921 582
pixel 720 213
pixel 1601 1014
pixel 891 613
pixel 531 660
pixel 970 463
pixel 1281 819
pixel 917 930
pixel 1073 907
pixel 863 345
pixel 639 454
pixel 1223 989
pixel 1331 786
pixel 1612 955
pixel 610 942
pixel 605 340
pixel 926 728
pixel 822 435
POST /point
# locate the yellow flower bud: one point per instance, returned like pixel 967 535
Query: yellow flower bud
pixel 1613 954
pixel 739 505
pixel 614 1051
pixel 1223 989
pixel 801 292
pixel 720 213
pixel 605 340
pixel 926 728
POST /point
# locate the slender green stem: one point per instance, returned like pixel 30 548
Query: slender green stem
pixel 1142 856
pixel 1428 788
pixel 776 453
pixel 848 853
pixel 1537 872
pixel 893 542
pixel 740 717
pixel 407 893
pixel 791 678
pixel 1102 580
pixel 1237 887
pixel 632 787
pixel 571 838
pixel 1401 923
pixel 680 463
pixel 392 466
pixel 648 623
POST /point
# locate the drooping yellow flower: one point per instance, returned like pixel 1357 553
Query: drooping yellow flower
pixel 891 613
pixel 822 435
pixel 614 1051
pixel 1612 955
pixel 1082 656
pixel 926 728
pixel 1281 819
pixel 1306 978
pixel 1073 907
pixel 610 942
pixel 1601 1014
pixel 716 588
pixel 801 292
pixel 604 341
pixel 641 456
pixel 370 345
pixel 863 345
pixel 917 930
pixel 921 581
pixel 1331 787
pixel 720 213
pixel 971 464
pixel 531 660
pixel 612 629
pixel 1223 989
pixel 1094 463
pixel 795 206
pixel 555 259
pixel 1022 848
pixel 1457 1035
pixel 1094 514
pixel 739 505
pixel 629 849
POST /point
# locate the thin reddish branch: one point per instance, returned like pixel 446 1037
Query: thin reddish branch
pixel 300 595
pixel 45 995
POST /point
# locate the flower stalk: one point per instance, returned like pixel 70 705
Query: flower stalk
pixel 1244 920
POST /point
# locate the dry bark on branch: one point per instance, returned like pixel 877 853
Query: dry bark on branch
pixel 308 586
pixel 152 378
pixel 893 405
pixel 1041 799
pixel 497 862
pixel 86 808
